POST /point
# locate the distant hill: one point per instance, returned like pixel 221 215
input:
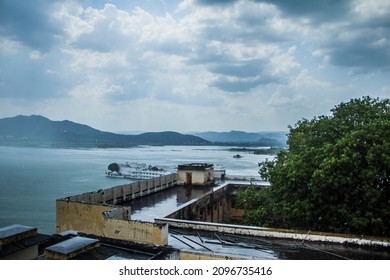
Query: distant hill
pixel 37 130
pixel 266 138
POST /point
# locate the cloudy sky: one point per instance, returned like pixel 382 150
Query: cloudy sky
pixel 191 65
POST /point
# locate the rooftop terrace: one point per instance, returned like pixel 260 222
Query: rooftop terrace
pixel 234 242
pixel 168 220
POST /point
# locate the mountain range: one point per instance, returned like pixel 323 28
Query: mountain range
pixel 36 130
pixel 40 131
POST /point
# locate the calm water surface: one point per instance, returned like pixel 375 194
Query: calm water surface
pixel 31 179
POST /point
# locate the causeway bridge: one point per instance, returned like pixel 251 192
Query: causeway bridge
pixel 119 194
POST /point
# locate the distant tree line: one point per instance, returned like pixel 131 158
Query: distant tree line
pixel 334 176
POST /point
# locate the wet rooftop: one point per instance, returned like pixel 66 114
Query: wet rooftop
pixel 15 230
pixel 159 205
pixel 108 249
pixel 72 245
pixel 268 248
pixel 16 237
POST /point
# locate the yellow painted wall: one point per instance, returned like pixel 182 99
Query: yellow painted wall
pixel 89 218
pixel 142 232
pixel 198 176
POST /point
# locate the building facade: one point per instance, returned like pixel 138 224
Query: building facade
pixel 195 173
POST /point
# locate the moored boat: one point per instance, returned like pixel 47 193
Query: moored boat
pixel 138 171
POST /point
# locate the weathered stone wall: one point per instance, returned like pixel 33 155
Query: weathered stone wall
pixel 214 207
pixel 84 217
pixel 107 221
pixel 310 236
pixel 137 231
pixel 126 192
pixel 122 213
pixel 199 177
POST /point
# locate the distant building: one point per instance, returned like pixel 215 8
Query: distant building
pixel 195 173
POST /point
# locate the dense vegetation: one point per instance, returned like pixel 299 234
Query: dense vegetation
pixel 114 167
pixel 334 176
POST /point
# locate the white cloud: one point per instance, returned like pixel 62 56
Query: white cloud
pixel 366 11
pixel 36 55
pixel 237 65
pixel 9 47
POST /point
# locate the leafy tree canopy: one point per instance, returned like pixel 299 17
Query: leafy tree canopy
pixel 334 176
pixel 114 167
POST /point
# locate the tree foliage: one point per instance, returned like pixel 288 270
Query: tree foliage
pixel 114 167
pixel 334 176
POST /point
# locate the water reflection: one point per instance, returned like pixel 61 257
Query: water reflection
pixel 160 204
pixel 268 248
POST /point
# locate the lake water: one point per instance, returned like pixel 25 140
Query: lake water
pixel 31 179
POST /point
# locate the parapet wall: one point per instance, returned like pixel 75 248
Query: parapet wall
pixel 98 212
pixel 216 206
pixel 118 194
pixel 311 236
pixel 209 212
pixel 108 221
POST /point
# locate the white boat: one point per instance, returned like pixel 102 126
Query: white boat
pixel 139 171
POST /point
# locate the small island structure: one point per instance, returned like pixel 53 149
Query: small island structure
pixel 136 171
pixel 195 173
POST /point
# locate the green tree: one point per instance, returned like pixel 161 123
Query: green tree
pixel 114 167
pixel 334 176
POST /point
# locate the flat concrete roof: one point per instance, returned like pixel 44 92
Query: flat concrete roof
pixel 258 248
pixel 108 248
pixel 72 245
pixel 160 204
pixel 195 166
pixel 14 233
